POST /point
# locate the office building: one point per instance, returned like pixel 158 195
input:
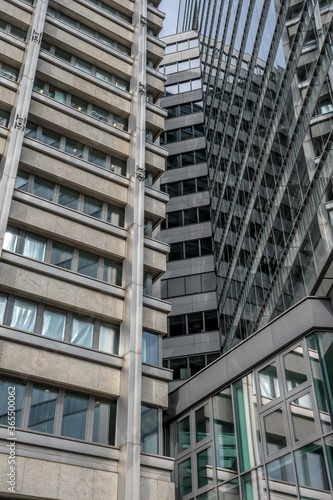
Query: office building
pixel 257 422
pixel 267 100
pixel 80 331
pixel 189 284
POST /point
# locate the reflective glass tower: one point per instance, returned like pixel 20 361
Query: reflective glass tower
pixel 267 69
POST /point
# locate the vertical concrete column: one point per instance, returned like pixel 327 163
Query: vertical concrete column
pixel 129 405
pixel 13 147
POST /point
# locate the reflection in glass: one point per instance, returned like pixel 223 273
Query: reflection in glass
pixel 294 367
pixel 229 491
pixel 325 342
pixel 43 188
pixel 281 479
pixel 225 440
pixel 329 451
pixel 311 470
pixel 88 264
pixel 150 348
pixel 209 495
pixel 253 485
pixel 3 302
pixel 10 387
pixel 319 386
pixel 184 437
pixel 42 411
pixel 185 477
pixel 269 384
pixel 62 255
pixel 202 423
pixel 274 431
pixel 74 416
pixel 302 417
pixel 204 465
pixel 248 433
pixel 104 430
pixel 149 429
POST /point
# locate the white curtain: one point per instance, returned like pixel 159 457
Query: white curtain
pixel 10 239
pixel 54 324
pixel 82 332
pixel 24 315
pixel 109 339
pixel 3 302
pixel 34 247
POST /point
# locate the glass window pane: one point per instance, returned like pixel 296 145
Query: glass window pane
pixel 253 484
pixel 269 384
pixel 43 188
pixel 176 251
pixel 119 122
pixel 275 432
pixel 191 249
pixel 248 433
pixel 83 65
pixel 172 136
pixel 206 246
pixel 170 68
pixel 294 366
pixel 196 84
pixel 62 255
pixel 88 264
pixel 103 75
pixel 174 189
pixel 9 72
pixel 97 157
pixel 311 470
pixel 57 94
pixel 118 166
pixel 195 323
pixel 63 54
pixel 4 118
pixel 11 391
pixel 104 430
pixel 74 148
pixel 10 239
pixel 42 410
pixel 281 478
pixel 202 423
pixel 150 352
pixel 92 207
pixel 185 477
pixel 173 161
pixel 68 198
pixel 51 138
pixel 109 338
pixel 175 219
pixel 112 272
pixel 79 104
pixel 31 130
pixel 202 183
pixel 200 156
pixel 53 324
pixel 193 285
pixel 302 415
pixel 88 31
pixel 100 114
pixel 198 131
pixel 186 133
pixel 82 332
pixel 184 87
pixel 205 470
pixel 204 214
pixel 325 343
pixel 3 302
pixel 224 429
pixel 319 383
pixel 105 39
pixel 122 84
pixel 188 185
pixel 149 430
pixel 190 216
pixel 183 434
pixel 187 159
pixel 23 315
pixel 211 322
pixel 22 180
pixel 182 45
pixel 185 109
pixel 74 416
pixel 34 247
pixel 229 491
pixel 179 367
pixel 177 325
pixel 197 363
pixel 116 215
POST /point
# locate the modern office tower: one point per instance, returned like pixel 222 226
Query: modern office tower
pixel 257 423
pixel 80 362
pixel 193 338
pixel 267 70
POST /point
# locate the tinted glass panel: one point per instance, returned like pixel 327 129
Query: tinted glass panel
pixel 53 324
pixel 11 390
pixel 177 326
pixel 62 255
pixel 68 198
pixel 275 432
pixel 42 410
pixel 43 188
pixel 202 423
pixel 88 264
pixel 149 429
pixel 74 416
pixel 150 348
pixel 183 434
pixel 104 430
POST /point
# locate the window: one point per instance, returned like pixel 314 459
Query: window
pixel 54 322
pixel 149 430
pixel 180 66
pixel 198 322
pixel 188 285
pixel 13 30
pixel 182 134
pixel 104 428
pixel 68 198
pixel 150 348
pixel 23 315
pixel 186 217
pixel 4 118
pixel 178 88
pixel 186 159
pixel 8 72
pixel 75 148
pixel 82 331
pixel 11 386
pixel 42 409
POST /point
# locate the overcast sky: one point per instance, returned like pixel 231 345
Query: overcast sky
pixel 170 7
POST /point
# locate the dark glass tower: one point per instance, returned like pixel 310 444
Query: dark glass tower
pixel 267 70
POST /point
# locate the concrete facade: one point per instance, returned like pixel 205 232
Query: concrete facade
pixel 80 332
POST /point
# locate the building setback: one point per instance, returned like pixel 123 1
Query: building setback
pixel 267 79
pixel 189 283
pixel 80 333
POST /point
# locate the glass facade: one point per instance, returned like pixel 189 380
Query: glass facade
pixel 262 437
pixel 267 96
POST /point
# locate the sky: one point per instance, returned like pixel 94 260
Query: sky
pixel 170 7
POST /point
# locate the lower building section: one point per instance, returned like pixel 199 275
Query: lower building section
pixel 257 423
